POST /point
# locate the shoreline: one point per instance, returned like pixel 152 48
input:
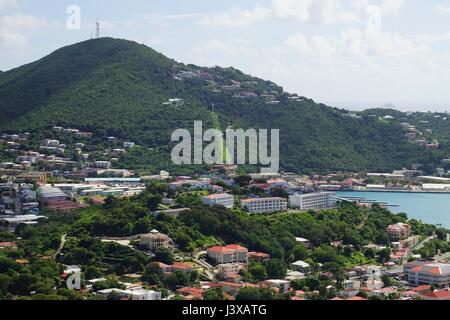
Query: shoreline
pixel 396 191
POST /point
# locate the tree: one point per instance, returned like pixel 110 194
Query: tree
pixel 214 294
pixel 250 293
pixel 276 269
pixel 5 282
pixel 258 271
pixel 109 283
pixel 279 192
pixel 243 181
pixel 153 201
pixel 384 255
pixel 164 255
pixel 153 274
pixel 387 280
pixel 300 252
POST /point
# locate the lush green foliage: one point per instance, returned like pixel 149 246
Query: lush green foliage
pixel 116 87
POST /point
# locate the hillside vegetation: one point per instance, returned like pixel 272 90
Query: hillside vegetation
pixel 117 87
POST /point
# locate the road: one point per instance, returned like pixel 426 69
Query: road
pixel 61 246
pixel 418 246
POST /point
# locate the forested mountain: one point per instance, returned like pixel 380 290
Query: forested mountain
pixel 117 87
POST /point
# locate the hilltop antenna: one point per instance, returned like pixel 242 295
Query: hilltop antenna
pixel 97 30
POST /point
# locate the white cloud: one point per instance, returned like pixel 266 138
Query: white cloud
pixel 355 42
pixel 15 29
pixel 309 11
pixel 236 17
pixel 316 11
pixel 8 5
pixel 391 6
pixel 443 9
pixel 305 11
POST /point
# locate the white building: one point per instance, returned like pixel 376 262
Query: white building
pixel 129 145
pixel 102 164
pixel 154 240
pixel 319 200
pixel 264 205
pixel 422 272
pixel 222 199
pixel 136 294
pixel 229 254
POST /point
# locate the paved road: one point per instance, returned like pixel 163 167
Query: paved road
pixel 418 246
pixel 61 246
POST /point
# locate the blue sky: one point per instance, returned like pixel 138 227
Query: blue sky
pixel 346 53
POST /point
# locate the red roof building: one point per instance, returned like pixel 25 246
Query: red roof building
pixel 228 254
pixel 437 295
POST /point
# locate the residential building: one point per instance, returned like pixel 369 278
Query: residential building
pixel 431 273
pixel 190 185
pixel 305 242
pixel 228 254
pixel 319 200
pixel 102 164
pixel 154 240
pixel 258 256
pixel 301 266
pixel 398 231
pixel 222 199
pixel 231 268
pixel 437 296
pixel 264 205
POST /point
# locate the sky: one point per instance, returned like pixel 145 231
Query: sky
pixel 352 54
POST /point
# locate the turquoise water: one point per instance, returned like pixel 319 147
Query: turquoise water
pixel 433 208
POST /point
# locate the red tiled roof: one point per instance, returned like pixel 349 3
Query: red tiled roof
pixel 196 292
pixel 7 244
pixel 435 270
pixel 258 254
pixel 228 248
pixel 421 288
pixel 438 294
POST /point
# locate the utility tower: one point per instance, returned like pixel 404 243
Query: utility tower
pixel 97 30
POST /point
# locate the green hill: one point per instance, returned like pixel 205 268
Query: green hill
pixel 117 87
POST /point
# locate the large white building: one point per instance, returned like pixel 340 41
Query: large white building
pixel 319 200
pixel 229 254
pixel 264 205
pixel 154 240
pixel 222 199
pixel 431 273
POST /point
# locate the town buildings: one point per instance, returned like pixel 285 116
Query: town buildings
pixel 222 199
pixel 429 273
pixel 264 205
pixel 319 200
pixel 399 231
pixel 154 240
pixel 228 254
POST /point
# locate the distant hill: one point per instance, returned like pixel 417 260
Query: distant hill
pixel 118 87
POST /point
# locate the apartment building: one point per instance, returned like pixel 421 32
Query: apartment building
pixel 430 273
pixel 154 240
pixel 264 205
pixel 319 200
pixel 222 199
pixel 228 254
pixel 399 231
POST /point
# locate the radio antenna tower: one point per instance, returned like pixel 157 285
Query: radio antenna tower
pixel 97 30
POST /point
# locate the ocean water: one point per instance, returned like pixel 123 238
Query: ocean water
pixel 432 208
